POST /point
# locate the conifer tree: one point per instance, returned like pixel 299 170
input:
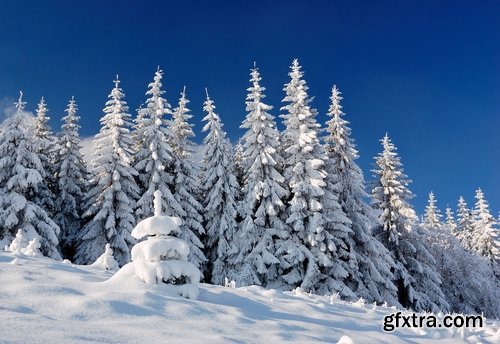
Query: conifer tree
pixel 311 255
pixel 417 281
pixel 450 220
pixel 464 224
pixel 485 240
pixel 70 177
pixel 186 182
pixel 154 160
pixel 21 178
pixel 46 151
pixel 432 216
pixel 262 209
pixel 113 193
pixel 371 277
pixel 239 169
pixel 221 191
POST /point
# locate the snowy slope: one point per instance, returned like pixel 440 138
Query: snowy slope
pixel 44 301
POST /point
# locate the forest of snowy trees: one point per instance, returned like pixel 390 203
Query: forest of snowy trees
pixel 281 210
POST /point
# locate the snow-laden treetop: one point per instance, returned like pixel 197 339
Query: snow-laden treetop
pixel 158 224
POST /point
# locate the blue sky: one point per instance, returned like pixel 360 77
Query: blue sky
pixel 426 72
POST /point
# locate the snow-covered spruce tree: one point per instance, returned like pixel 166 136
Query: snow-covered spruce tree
pixel 21 177
pixel 154 159
pixel 464 224
pixel 372 278
pixel 450 220
pixel 432 215
pixel 221 191
pixel 46 150
pixel 416 278
pixel 113 190
pixel 161 259
pixel 71 172
pixel 262 208
pixel 186 182
pixel 485 240
pixel 239 169
pixel 310 245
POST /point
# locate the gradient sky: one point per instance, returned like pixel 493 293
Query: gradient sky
pixel 426 72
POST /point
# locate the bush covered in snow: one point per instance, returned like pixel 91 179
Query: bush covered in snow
pixel 162 258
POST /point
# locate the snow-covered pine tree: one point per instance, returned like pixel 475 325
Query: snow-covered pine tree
pixel 485 240
pixel 432 215
pixel 262 208
pixel 312 245
pixel 464 224
pixel 154 159
pixel 239 169
pixel 372 278
pixel 46 151
pixel 450 220
pixel 186 182
pixel 416 278
pixel 71 172
pixel 137 135
pixel 21 177
pixel 221 191
pixel 113 191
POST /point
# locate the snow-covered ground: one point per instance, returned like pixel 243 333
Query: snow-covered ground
pixel 45 301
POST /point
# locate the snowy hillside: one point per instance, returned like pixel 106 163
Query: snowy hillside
pixel 45 301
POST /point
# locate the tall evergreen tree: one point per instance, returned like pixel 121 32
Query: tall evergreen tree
pixel 450 220
pixel 485 240
pixel 221 191
pixel 372 277
pixel 417 281
pixel 262 208
pixel 113 192
pixel 311 255
pixel 70 177
pixel 46 151
pixel 21 178
pixel 186 182
pixel 432 216
pixel 239 169
pixel 154 160
pixel 464 224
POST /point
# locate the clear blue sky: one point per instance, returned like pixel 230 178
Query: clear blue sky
pixel 426 72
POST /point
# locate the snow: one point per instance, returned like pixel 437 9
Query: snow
pixel 106 261
pixel 161 259
pixel 166 271
pixel 156 225
pixel 160 249
pixel 45 301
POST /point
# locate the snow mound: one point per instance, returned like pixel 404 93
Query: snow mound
pixel 26 244
pixel 106 261
pixel 33 248
pixel 345 340
pixel 174 276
